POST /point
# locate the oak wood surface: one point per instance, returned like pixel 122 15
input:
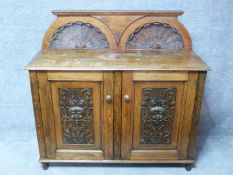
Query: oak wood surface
pixel 200 85
pixel 137 114
pixel 122 117
pixel 131 147
pixel 189 97
pixel 172 22
pixel 47 114
pixel 116 12
pixel 159 76
pixel 108 115
pixel 170 60
pixel 118 76
pixel 117 26
pixel 127 122
pixel 64 20
pixel 118 161
pixel 37 113
pixel 75 76
pixel 117 114
pixel 96 92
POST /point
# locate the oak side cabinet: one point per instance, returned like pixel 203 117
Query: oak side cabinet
pixel 117 87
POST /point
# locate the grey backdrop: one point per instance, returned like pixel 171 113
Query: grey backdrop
pixel 22 26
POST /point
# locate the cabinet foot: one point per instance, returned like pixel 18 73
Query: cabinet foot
pixel 188 167
pixel 45 166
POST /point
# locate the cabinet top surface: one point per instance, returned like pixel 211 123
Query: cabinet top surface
pixel 177 60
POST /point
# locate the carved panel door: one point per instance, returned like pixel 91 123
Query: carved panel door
pixel 151 115
pixel 83 115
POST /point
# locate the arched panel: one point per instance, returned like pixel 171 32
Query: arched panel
pixel 78 33
pixel 156 33
pixel 155 36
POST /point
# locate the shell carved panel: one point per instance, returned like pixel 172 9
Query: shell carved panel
pixel 157 115
pixel 78 35
pixel 155 36
pixel 76 107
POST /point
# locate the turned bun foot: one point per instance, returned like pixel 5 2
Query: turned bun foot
pixel 188 167
pixel 45 166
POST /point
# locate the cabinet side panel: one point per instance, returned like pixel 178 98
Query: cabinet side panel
pixel 196 114
pixel 37 113
pixel 190 92
pixel 47 114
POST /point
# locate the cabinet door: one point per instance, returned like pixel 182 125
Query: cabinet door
pixel 155 125
pixel 82 115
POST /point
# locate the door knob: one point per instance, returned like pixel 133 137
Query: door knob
pixel 126 98
pixel 108 98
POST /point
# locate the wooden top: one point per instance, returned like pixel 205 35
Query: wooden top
pixel 165 60
pixel 116 12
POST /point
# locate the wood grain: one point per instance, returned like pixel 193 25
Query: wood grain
pixel 196 114
pixel 160 76
pixel 171 21
pixel 80 155
pixel 59 22
pixel 117 114
pixel 37 113
pixel 154 154
pixel 96 94
pixel 179 86
pixel 117 25
pixel 47 114
pixel 115 13
pixel 118 76
pixel 93 60
pixel 127 108
pixel 75 76
pixel 108 116
pixel 189 97
pixel 119 161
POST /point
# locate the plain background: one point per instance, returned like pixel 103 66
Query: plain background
pixel 22 26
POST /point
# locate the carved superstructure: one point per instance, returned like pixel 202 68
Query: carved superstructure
pixel 157 114
pixel 78 35
pixel 155 36
pixel 76 106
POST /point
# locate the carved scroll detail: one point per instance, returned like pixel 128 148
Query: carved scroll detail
pixel 76 106
pixel 157 115
pixel 155 36
pixel 78 35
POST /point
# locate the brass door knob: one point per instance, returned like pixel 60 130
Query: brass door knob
pixel 126 98
pixel 108 98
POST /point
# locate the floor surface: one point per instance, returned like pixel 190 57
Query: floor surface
pixel 214 158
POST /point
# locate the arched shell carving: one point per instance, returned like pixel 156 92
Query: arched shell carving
pixel 76 35
pixel 155 36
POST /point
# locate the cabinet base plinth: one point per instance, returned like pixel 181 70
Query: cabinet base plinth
pixel 184 162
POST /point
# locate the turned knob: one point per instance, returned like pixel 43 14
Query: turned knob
pixel 108 98
pixel 126 97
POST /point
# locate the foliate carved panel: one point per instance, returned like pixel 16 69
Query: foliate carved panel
pixel 155 36
pixel 76 107
pixel 157 115
pixel 78 35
